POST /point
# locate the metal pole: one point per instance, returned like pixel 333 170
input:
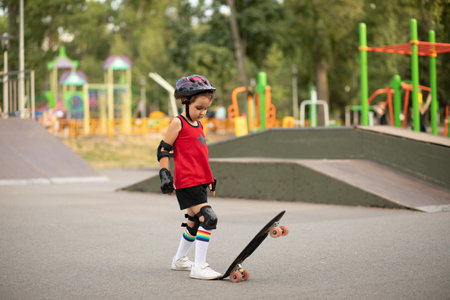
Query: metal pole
pixel 347 116
pixel 21 64
pixel 128 100
pixel 260 89
pixel 364 76
pixel 144 111
pixel 294 92
pixel 396 86
pixel 110 97
pixel 313 106
pixel 86 116
pixel 433 85
pixel 162 82
pixel 5 84
pixel 415 73
pixel 33 107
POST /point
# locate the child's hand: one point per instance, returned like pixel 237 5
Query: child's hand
pixel 174 188
pixel 166 181
pixel 211 189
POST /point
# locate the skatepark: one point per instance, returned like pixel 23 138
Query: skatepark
pixel 91 239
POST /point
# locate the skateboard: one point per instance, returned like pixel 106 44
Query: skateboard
pixel 236 272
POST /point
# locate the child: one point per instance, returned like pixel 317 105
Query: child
pixel 423 109
pixel 192 174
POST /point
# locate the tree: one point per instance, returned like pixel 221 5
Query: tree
pixel 239 50
pixel 316 31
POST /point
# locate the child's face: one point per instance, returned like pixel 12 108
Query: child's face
pixel 198 108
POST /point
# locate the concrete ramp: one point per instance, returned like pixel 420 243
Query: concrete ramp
pixel 338 181
pixel 398 187
pixel 29 154
pixel 343 182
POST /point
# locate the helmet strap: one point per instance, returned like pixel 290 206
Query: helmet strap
pixel 186 105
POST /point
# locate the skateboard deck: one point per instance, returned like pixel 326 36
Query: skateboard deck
pixel 236 272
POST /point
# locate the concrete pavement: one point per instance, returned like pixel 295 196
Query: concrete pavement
pixel 86 241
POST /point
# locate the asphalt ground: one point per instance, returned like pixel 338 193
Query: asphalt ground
pixel 87 241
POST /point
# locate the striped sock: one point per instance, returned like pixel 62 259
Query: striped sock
pixel 185 244
pixel 201 245
pixel 188 237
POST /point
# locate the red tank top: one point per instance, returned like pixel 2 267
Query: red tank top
pixel 191 156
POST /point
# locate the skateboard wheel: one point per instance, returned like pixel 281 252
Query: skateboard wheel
pixel 245 275
pixel 275 232
pixel 235 276
pixel 285 230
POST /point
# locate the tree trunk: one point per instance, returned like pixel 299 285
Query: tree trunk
pixel 240 56
pixel 322 85
pixel 13 16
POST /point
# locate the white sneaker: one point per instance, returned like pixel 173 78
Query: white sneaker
pixel 182 264
pixel 204 272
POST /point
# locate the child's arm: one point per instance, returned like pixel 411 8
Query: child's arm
pixel 164 173
pixel 169 138
pixel 424 108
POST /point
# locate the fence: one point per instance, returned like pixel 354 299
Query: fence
pixel 11 106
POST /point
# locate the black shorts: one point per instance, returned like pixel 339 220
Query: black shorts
pixel 192 196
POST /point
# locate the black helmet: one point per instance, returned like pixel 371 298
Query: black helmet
pixel 192 85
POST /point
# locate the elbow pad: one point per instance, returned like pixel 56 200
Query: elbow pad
pixel 167 149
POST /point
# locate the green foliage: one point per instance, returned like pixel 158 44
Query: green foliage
pixel 176 38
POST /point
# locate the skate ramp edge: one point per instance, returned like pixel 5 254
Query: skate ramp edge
pixel 55 180
pixel 31 155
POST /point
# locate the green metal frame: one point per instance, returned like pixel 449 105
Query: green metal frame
pixel 395 84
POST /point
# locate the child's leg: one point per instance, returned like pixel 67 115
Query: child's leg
pixel 188 236
pixel 201 246
pixel 208 221
pixel 180 261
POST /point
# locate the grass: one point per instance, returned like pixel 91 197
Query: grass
pixel 119 152
pixel 122 151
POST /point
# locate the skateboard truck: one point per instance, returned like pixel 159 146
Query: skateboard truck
pixel 239 274
pixel 277 231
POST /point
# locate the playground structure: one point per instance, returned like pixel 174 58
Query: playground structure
pixel 260 112
pixel 105 108
pixel 396 116
pixel 92 108
pixel 415 48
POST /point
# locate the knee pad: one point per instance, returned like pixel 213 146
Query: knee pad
pixel 210 220
pixel 192 230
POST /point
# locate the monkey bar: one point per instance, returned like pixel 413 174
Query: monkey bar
pixel 424 48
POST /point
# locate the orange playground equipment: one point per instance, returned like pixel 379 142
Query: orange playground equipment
pixel 260 112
